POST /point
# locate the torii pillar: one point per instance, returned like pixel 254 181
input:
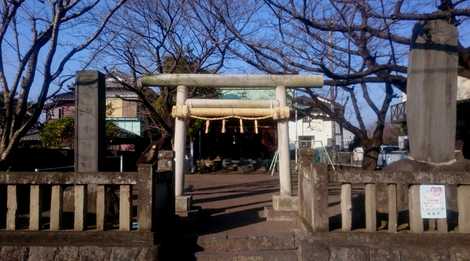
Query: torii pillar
pixel 284 201
pixel 283 146
pixel 182 202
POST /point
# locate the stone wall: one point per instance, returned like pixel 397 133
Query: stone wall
pixel 82 253
pixel 357 246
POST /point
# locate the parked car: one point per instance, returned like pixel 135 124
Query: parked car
pixel 389 154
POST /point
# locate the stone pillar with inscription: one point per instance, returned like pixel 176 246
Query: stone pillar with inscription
pixel 90 120
pixel 432 91
pixel 431 107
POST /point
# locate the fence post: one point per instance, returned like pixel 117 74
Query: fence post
pixel 56 208
pixel 145 196
pixel 35 202
pixel 392 208
pixel 416 223
pixel 463 196
pixel 320 198
pixel 346 207
pixel 80 200
pixel 12 207
pixel 125 207
pixel 100 206
pixel 371 208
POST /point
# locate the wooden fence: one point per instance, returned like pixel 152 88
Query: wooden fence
pixel 142 181
pixel 314 182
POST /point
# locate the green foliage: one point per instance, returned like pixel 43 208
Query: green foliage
pixel 111 129
pixel 58 133
pixel 194 127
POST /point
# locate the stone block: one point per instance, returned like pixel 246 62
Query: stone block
pixel 237 244
pixel 67 253
pixel 148 253
pixel 165 160
pixel 313 251
pixel 383 254
pixel 289 255
pixel 40 253
pixel 285 203
pixel 13 253
pixel 182 205
pixel 349 253
pixel 460 254
pixel 424 253
pixel 124 253
pixel 94 253
pixel 272 215
pixel 83 253
pixel 166 154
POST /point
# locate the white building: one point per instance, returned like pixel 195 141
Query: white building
pixel 315 130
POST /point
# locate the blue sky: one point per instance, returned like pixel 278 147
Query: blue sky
pixel 75 33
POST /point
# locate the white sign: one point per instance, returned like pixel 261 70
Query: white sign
pixel 433 201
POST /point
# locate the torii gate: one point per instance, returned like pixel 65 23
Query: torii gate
pixel 277 109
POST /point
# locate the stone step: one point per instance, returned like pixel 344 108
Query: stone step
pixel 276 255
pixel 221 244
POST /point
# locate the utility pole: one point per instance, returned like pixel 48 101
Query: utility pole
pixel 333 93
pixel 332 90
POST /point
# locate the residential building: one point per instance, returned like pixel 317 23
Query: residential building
pixel 314 129
pixel 122 109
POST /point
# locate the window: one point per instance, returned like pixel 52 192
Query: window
pixel 61 112
pixel 306 119
pixel 306 141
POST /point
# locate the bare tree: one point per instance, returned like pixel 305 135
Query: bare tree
pixel 153 37
pixel 37 41
pixel 357 45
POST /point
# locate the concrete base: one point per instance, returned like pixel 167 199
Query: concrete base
pixel 272 215
pixel 285 203
pixel 182 205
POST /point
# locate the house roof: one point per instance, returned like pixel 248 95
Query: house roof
pixel 306 107
pixel 113 88
pixel 66 96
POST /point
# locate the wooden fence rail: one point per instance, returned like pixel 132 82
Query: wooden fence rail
pixel 141 180
pixel 313 193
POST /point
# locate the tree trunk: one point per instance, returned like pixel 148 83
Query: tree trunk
pixel 6 148
pixel 150 155
pixel 371 152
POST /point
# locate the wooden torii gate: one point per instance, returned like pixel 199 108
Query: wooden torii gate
pixel 277 109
